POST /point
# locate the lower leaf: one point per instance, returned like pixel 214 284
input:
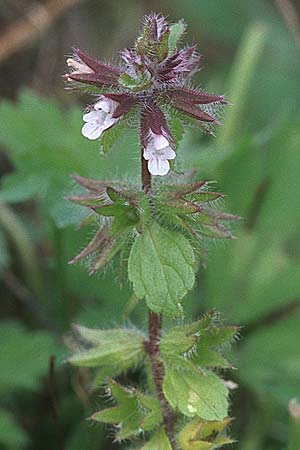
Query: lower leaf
pixel 196 394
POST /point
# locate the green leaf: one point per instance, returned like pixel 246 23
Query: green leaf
pixel 210 358
pixel 202 197
pixel 176 32
pixel 159 441
pixel 183 338
pixel 115 348
pixel 135 84
pixel 125 414
pixel 196 393
pixel 216 336
pixel 161 268
pixel 11 435
pixel 24 356
pixel 134 413
pixel 152 409
pixel 162 49
pixel 202 435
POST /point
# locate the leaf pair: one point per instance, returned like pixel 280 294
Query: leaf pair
pixel 202 435
pixel 122 215
pixel 110 351
pixel 134 413
pixel 187 352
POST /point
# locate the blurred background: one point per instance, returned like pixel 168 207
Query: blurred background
pixel 251 54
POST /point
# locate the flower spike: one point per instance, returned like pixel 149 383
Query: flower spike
pixel 150 82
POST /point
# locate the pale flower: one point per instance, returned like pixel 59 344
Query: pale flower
pixel 100 118
pixel 158 152
pixel 78 67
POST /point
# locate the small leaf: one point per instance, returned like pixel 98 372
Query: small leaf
pixel 182 338
pixel 126 413
pixel 134 413
pixel 162 48
pixel 135 84
pixel 209 358
pixel 218 335
pixel 196 394
pixel 153 416
pixel 109 250
pixel 177 341
pixel 161 269
pixel 176 32
pixel 159 441
pixel 202 435
pixel 202 197
pixel 112 348
pixel 216 231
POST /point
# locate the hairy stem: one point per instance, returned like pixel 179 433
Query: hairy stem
pixel 152 346
pixel 155 323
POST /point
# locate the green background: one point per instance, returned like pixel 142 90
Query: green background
pixel 252 55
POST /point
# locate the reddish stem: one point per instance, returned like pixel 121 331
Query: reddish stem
pixel 152 346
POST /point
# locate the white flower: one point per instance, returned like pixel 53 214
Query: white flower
pixel 100 118
pixel 157 153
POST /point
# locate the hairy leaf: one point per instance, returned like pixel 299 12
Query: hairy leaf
pixel 116 348
pixel 135 412
pixel 176 32
pixel 202 435
pixel 161 269
pixel 159 441
pixel 196 393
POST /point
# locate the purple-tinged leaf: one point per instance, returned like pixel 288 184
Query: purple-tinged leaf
pixel 196 97
pixel 193 111
pixel 90 248
pixel 97 66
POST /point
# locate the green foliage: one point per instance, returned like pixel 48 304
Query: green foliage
pixel 270 360
pixel 249 280
pixel 134 413
pixel 196 393
pixel 30 351
pixel 11 435
pixel 135 84
pixel 201 435
pixel 176 32
pixel 161 269
pixel 46 146
pixel 202 342
pixel 113 350
pixel 158 440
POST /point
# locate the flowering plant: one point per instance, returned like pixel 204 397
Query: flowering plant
pixel 159 233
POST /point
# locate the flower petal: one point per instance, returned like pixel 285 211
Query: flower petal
pixel 92 116
pixel 157 166
pixel 148 152
pixel 105 104
pixel 92 130
pixel 159 141
pixel 168 153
